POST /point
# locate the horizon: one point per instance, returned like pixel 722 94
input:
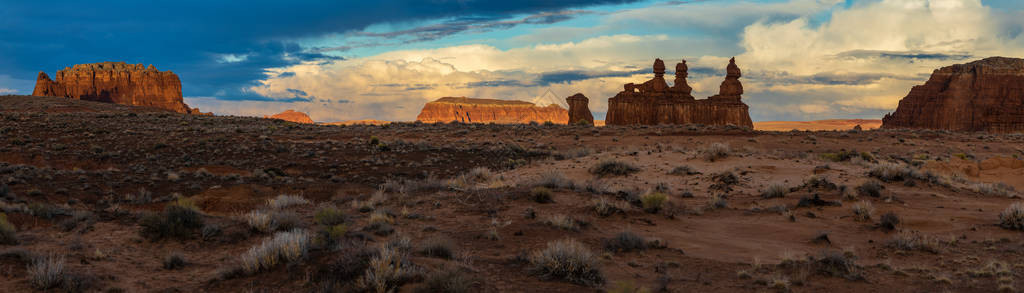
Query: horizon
pixel 801 59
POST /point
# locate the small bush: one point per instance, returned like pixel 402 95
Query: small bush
pixel 541 195
pixel 562 222
pixel 179 220
pixel 889 221
pixel 724 181
pixel 716 151
pixel 836 264
pixel 652 202
pixel 890 172
pixel 683 170
pixel 993 189
pixel 605 208
pixel 283 247
pixel 567 260
pixel 285 200
pixel 1013 217
pixel 438 247
pixel 174 261
pixel 46 272
pixel 871 188
pixel 863 210
pixel 285 220
pixel 329 216
pixel 386 271
pixel 260 221
pixel 613 168
pixel 447 281
pixel 775 191
pixel 8 234
pixel 912 240
pixel 554 179
pixel 718 201
pixel 625 242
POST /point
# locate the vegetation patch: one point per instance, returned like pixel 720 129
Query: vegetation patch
pixel 567 260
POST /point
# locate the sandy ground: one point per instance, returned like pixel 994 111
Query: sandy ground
pixel 82 175
pixel 832 124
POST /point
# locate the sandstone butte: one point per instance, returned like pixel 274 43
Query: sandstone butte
pixel 292 115
pixel 470 110
pixel 654 102
pixel 116 82
pixel 579 109
pixel 985 95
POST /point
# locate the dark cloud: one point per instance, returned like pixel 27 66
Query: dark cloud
pixel 570 76
pixel 286 74
pixel 904 55
pixel 190 37
pixel 828 78
pixel 495 83
pixel 462 25
pixel 298 93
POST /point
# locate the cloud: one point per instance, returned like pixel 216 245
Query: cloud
pixel 7 91
pixel 459 25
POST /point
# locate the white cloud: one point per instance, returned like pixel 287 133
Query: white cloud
pixel 7 91
pixel 232 58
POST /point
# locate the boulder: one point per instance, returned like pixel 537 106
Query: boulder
pixel 579 109
pixel 292 115
pixel 653 102
pixel 985 95
pixel 470 110
pixel 116 82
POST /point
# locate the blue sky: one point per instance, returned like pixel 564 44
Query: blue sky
pixel 341 60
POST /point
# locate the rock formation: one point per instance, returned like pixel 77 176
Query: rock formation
pixel 468 110
pixel 116 82
pixel 654 102
pixel 985 95
pixel 291 115
pixel 579 109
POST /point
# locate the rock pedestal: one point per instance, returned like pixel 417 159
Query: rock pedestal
pixel 116 82
pixel 579 110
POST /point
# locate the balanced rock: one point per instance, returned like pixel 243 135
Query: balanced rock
pixel 653 102
pixel 470 110
pixel 292 116
pixel 985 95
pixel 116 82
pixel 579 109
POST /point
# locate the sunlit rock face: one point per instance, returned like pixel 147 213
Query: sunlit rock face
pixel 654 102
pixel 469 110
pixel 292 116
pixel 116 82
pixel 984 95
pixel 579 109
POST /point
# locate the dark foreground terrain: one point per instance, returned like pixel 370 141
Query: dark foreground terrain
pixel 106 198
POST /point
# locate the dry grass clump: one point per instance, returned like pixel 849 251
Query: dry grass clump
pixel 890 172
pixel 604 207
pixel 653 201
pixel 447 281
pixel 439 247
pixel 45 272
pixel 625 242
pixel 479 177
pixel 836 264
pixel 380 223
pixel 387 271
pixel 541 194
pixel 283 247
pixel 561 221
pixel 8 234
pixel 889 221
pixel 718 201
pixel 613 168
pixel 329 215
pixel 775 191
pixel 178 220
pixel 871 188
pixel 683 170
pixel 259 221
pixel 286 200
pixel 1013 217
pixel 554 179
pixel 913 240
pixel 174 261
pixel 993 189
pixel 863 210
pixel 716 151
pixel 567 260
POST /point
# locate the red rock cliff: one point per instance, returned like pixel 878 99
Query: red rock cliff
pixel 654 102
pixel 579 109
pixel 468 110
pixel 292 115
pixel 985 95
pixel 116 82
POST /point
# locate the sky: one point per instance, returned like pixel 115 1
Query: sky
pixel 384 59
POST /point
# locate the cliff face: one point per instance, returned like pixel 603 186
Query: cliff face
pixel 579 109
pixel 654 102
pixel 292 115
pixel 985 95
pixel 468 110
pixel 116 82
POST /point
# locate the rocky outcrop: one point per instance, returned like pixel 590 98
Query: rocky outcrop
pixel 985 95
pixel 291 115
pixel 116 82
pixel 579 109
pixel 654 102
pixel 468 110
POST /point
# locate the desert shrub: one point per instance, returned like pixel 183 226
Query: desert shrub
pixel 174 261
pixel 8 234
pixel 683 170
pixel 329 215
pixel 604 207
pixel 846 156
pixel 863 210
pixel 45 272
pixel 474 178
pixel 288 246
pixel 652 202
pixel 286 200
pixel 913 240
pixel 625 242
pixel 380 223
pixel 178 220
pixel 387 271
pixel 567 260
pixel 718 201
pixel 890 172
pixel 819 182
pixel 613 168
pixel 993 189
pixel 438 247
pixel 562 222
pixel 1013 217
pixel 541 194
pixel 775 191
pixel 260 221
pixel 332 234
pixel 554 179
pixel 835 264
pixel 447 281
pixel 871 188
pixel 716 151
pixel 724 181
pixel 210 231
pixel 889 221
pixel 285 220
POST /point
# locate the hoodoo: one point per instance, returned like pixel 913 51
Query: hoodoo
pixel 469 110
pixel 984 95
pixel 116 82
pixel 654 102
pixel 579 109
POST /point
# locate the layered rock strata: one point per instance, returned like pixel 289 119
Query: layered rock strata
pixel 579 109
pixel 469 110
pixel 292 116
pixel 116 82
